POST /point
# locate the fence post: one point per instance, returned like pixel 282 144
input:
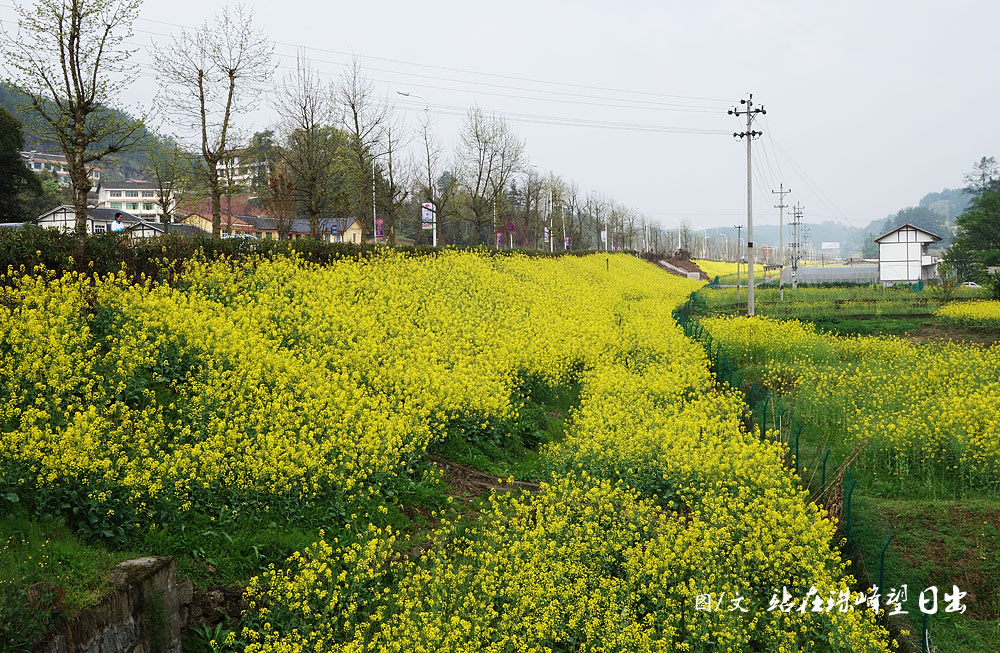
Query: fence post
pixel 763 419
pixel 925 644
pixel 797 434
pixel 881 562
pixel 825 456
pixel 848 499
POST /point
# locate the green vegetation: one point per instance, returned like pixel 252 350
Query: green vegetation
pixel 45 570
pixel 943 535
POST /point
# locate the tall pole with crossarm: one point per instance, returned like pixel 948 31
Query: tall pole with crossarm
pixel 781 192
pixel 750 112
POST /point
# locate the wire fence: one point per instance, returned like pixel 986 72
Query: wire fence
pixel 835 491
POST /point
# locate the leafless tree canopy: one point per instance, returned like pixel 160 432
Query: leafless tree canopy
pixel 306 110
pixel 363 117
pixel 488 156
pixel 436 185
pixel 168 166
pixel 210 77
pixel 68 57
pixel 397 173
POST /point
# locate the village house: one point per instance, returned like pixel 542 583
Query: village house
pixel 139 198
pixel 39 162
pixel 903 256
pixel 99 221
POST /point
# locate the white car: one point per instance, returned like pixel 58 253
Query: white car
pixel 970 284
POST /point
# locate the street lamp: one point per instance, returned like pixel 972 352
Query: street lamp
pixel 427 104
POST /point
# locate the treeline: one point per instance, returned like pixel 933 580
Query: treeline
pixel 336 149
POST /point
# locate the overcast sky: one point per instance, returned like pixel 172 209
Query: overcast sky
pixel 870 105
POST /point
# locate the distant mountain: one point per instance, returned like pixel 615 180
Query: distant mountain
pixel 125 165
pixel 949 203
pixel 850 238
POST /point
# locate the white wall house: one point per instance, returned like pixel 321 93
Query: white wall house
pixel 99 221
pixel 135 197
pixel 242 172
pixel 903 257
pixel 39 162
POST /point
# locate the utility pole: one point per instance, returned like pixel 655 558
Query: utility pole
pixel 750 112
pixel 781 192
pixel 796 223
pixel 738 228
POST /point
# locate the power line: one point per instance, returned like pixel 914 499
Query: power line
pixel 465 71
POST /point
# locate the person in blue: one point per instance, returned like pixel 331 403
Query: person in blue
pixel 118 225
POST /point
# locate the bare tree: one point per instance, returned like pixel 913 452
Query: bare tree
pixel 436 185
pixel 210 77
pixel 168 166
pixel 685 234
pixel 574 228
pixel 306 108
pixel 596 209
pixel 66 57
pixel 363 117
pixel 280 202
pixel 528 195
pixel 396 176
pixel 488 155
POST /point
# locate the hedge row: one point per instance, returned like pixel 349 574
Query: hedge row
pixel 22 250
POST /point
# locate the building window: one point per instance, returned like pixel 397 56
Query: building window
pixel 116 205
pixel 99 228
pixel 37 165
pixel 115 193
pixel 132 206
pixel 148 193
pixel 131 193
pixel 147 206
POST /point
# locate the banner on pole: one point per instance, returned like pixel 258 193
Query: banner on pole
pixel 427 215
pixel 378 229
pixel 499 237
pixel 546 234
pixel 604 236
pixel 566 243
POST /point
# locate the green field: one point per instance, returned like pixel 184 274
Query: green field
pixel 905 406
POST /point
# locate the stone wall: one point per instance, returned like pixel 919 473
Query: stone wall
pixel 143 613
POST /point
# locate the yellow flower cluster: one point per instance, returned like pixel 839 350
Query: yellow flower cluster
pixel 929 413
pixel 726 270
pixel 657 496
pixel 586 565
pixel 975 313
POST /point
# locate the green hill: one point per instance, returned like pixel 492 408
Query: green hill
pixel 122 166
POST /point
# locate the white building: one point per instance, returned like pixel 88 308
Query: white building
pixel 903 257
pixel 137 198
pixel 99 221
pixel 39 162
pixel 242 172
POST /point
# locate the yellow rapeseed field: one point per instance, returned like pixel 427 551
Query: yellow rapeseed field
pixel 264 385
pixel 975 313
pixel 928 414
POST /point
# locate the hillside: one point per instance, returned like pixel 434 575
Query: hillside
pixel 122 166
